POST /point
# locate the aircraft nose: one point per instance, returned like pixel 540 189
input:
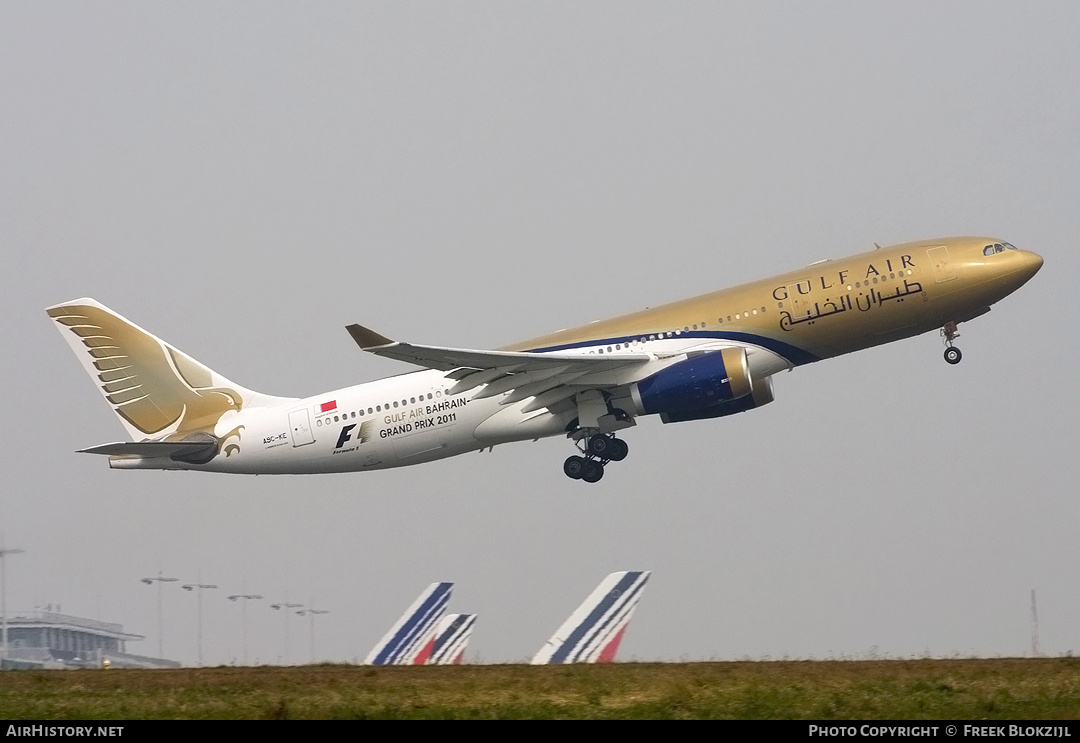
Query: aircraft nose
pixel 1029 266
pixel 1032 263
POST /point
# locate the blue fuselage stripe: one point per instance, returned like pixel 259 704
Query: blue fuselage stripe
pixel 793 354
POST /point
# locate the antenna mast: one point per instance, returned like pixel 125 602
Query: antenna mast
pixel 1034 628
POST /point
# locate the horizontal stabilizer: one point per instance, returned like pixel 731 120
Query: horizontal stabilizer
pixel 179 450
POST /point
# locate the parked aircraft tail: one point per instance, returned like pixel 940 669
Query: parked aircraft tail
pixel 593 632
pixel 451 637
pixel 156 390
pixel 412 638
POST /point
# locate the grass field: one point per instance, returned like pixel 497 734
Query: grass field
pixel 1044 688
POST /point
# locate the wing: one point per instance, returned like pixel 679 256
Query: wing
pixel 547 377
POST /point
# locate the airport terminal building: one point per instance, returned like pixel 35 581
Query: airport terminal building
pixel 47 639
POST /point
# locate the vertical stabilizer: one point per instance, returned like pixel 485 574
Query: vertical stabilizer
pixel 411 640
pixel 451 637
pixel 593 632
pixel 155 389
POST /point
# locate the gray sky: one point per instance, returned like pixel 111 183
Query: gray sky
pixel 245 179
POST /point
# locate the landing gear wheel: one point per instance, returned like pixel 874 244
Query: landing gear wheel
pixel 600 446
pixel 617 450
pixel 593 471
pixel 574 467
pixel 949 334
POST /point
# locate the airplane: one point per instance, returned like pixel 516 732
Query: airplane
pixel 411 640
pixel 452 635
pixel 706 357
pixel 593 632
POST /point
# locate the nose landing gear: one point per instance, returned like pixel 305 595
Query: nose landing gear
pixel 598 450
pixel 949 334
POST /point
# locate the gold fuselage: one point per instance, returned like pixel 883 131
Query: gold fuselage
pixel 832 307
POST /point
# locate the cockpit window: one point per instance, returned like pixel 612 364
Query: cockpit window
pixel 997 248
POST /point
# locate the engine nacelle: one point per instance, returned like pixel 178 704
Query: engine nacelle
pixel 762 395
pixel 701 381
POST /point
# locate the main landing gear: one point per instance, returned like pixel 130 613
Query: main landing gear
pixel 598 450
pixel 949 334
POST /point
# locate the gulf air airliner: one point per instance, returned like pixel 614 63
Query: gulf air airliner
pixel 705 357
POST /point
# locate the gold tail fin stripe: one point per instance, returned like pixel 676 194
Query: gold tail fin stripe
pixel 151 385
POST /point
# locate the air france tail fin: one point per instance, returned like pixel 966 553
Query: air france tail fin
pixel 451 637
pixel 155 389
pixel 593 632
pixel 412 638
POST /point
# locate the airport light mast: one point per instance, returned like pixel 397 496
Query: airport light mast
pixel 159 580
pixel 243 598
pixel 286 605
pixel 198 588
pixel 3 594
pixel 311 625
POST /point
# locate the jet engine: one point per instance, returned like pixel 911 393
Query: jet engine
pixel 762 395
pixel 699 382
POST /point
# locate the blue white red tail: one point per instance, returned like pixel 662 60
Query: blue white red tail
pixel 593 632
pixel 412 638
pixel 451 637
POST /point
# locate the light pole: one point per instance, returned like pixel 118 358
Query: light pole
pixel 311 626
pixel 3 594
pixel 244 598
pixel 159 580
pixel 286 605
pixel 198 588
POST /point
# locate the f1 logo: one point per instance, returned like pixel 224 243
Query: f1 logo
pixel 345 435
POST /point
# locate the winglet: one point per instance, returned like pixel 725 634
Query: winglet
pixel 366 338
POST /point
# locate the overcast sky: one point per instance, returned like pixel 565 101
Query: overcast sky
pixel 245 179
